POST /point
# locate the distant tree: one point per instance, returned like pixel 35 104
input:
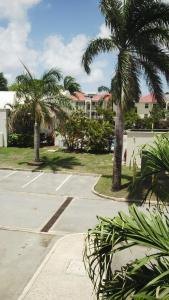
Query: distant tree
pixel 71 85
pixel 157 114
pixel 131 119
pixel 104 88
pixel 3 83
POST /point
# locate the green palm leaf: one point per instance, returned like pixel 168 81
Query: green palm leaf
pixel 146 277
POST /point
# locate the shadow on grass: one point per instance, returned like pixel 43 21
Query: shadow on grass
pixel 126 178
pixel 126 190
pixel 56 163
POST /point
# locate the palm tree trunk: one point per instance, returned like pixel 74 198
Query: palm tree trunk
pixel 118 150
pixel 36 141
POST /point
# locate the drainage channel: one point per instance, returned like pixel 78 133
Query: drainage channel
pixel 56 216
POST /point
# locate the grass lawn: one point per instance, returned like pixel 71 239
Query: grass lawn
pixel 64 161
pixel 57 161
pixel 105 183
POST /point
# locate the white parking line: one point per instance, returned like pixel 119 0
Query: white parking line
pixel 10 174
pixel 67 178
pixel 29 182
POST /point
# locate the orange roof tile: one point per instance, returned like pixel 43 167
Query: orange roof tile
pixel 148 99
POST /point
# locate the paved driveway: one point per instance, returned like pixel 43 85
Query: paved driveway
pixel 30 201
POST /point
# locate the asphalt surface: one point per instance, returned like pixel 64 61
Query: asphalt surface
pixel 28 201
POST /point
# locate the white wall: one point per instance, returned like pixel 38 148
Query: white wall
pixel 3 127
pixel 135 140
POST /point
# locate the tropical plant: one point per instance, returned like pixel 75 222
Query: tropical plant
pixel 154 178
pixel 99 136
pixel 131 119
pixel 71 85
pixel 139 34
pixel 157 114
pixel 3 83
pixel 73 129
pixel 82 133
pixel 147 276
pixel 43 98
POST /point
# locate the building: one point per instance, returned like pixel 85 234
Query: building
pixel 88 102
pixel 146 104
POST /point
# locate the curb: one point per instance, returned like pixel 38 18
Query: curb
pixel 117 199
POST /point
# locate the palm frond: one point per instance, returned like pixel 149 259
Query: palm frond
pixel 112 11
pixel 53 75
pixel 147 275
pixel 71 84
pixel 153 80
pixel 95 47
pixel 154 173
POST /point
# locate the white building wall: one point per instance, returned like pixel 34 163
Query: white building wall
pixel 3 127
pixel 135 141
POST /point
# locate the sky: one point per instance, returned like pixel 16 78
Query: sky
pixel 54 33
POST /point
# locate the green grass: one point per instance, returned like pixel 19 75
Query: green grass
pixel 58 161
pixel 105 183
pixel 61 161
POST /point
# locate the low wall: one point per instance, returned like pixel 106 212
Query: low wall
pixel 135 140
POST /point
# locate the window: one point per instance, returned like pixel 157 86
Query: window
pixel 88 106
pixel 146 105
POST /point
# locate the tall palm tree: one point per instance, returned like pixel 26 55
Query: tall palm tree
pixel 140 36
pixel 43 98
pixel 71 85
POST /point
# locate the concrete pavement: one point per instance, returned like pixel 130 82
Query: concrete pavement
pixel 29 201
pixel 62 275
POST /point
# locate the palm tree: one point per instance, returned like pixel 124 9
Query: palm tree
pixel 140 36
pixel 43 98
pixel 104 88
pixel 71 85
pixel 142 237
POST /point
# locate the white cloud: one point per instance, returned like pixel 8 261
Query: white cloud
pixel 67 56
pixel 14 37
pixel 15 9
pixel 104 31
pixel 15 45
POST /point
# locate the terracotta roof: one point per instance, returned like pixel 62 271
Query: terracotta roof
pixel 148 99
pixel 78 96
pixel 105 97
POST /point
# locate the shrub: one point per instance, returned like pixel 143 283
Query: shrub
pixel 20 140
pixel 82 133
pixel 99 136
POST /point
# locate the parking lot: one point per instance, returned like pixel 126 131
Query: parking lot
pixel 29 202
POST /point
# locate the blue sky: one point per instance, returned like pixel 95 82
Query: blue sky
pixel 53 33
